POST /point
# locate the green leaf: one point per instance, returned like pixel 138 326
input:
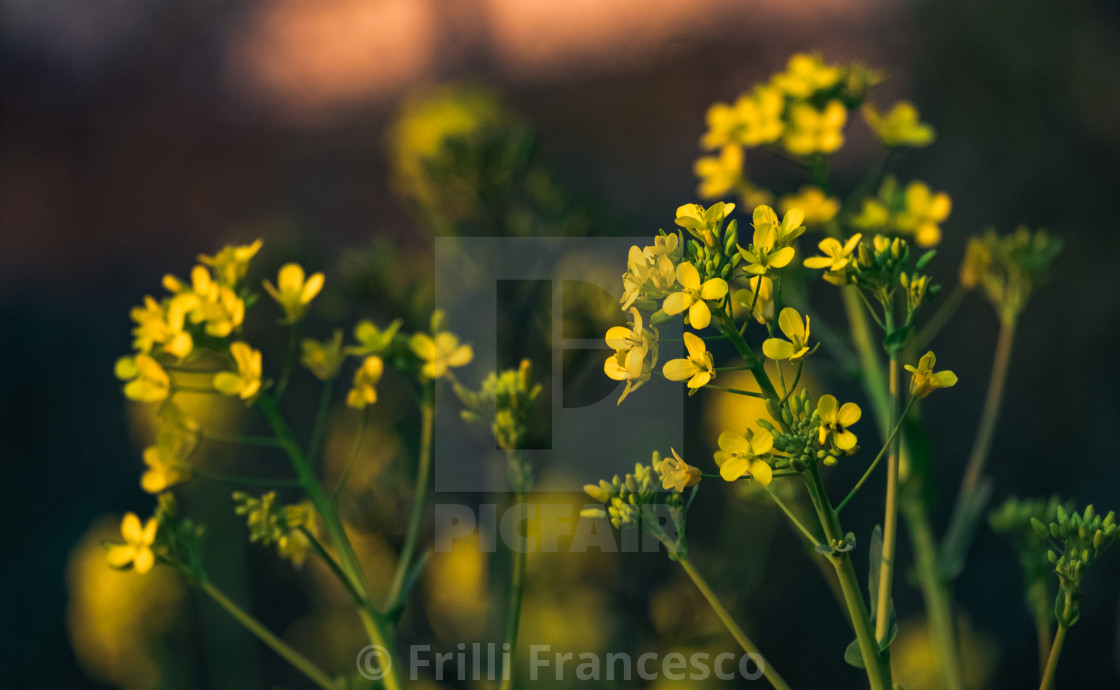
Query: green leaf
pixel 962 529
pixel 895 339
pixel 892 632
pixel 852 654
pixel 409 582
pixel 875 558
pixel 924 260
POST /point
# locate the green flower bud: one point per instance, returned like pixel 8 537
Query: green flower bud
pixel 1039 528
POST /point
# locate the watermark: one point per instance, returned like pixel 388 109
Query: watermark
pixel 545 528
pixel 490 661
pixel 588 438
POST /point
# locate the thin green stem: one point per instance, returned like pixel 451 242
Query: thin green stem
pixel 1052 662
pixel 427 426
pixel 882 452
pixel 289 360
pixel 351 457
pixel 513 606
pixel 1039 598
pixel 936 594
pixel 745 643
pixel 244 480
pixel 793 518
pixel 240 439
pixel 874 379
pixel 318 431
pixel 736 391
pixel 890 512
pixel 944 312
pixel 332 564
pixel 299 661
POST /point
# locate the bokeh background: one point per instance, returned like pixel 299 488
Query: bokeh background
pixel 134 135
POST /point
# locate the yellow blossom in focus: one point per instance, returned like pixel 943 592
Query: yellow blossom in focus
pixel 703 223
pixel 693 295
pixel 323 358
pixel 786 231
pixel 925 381
pixel 631 345
pixel 836 256
pixel 137 549
pixel 364 389
pixel 719 174
pixel 900 126
pixel 440 353
pixel 818 208
pixel 294 290
pixel 218 305
pixel 805 75
pixel 232 262
pixel 147 381
pixel 745 455
pixel 246 382
pixel 797 346
pixel 765 252
pixel 676 474
pixel 698 367
pixel 924 213
pixel 835 420
pixel 815 131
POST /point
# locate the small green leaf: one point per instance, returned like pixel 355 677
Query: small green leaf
pixel 924 259
pixel 895 339
pixel 852 654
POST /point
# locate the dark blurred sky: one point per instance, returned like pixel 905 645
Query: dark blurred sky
pixel 134 134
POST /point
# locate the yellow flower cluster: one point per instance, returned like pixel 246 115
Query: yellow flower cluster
pixel 915 212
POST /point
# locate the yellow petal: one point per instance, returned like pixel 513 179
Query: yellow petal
pixel 733 468
pixel 227 382
pixel 714 288
pixel 782 257
pixel 461 356
pixel 290 279
pixel 676 303
pixel 826 407
pixel 849 414
pixel 699 316
pixel 131 529
pixel 614 369
pixel 790 323
pixel 733 442
pixel 688 276
pixel 423 346
pixel 762 472
pixel 762 442
pixel 695 346
pixel 311 288
pixel 618 337
pixel 144 561
pixel 700 380
pixel 120 556
pixel 776 348
pixel 845 440
pixel 678 369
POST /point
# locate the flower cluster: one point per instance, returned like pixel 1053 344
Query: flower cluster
pixel 290 527
pixel 1009 267
pixel 1077 541
pixel 915 212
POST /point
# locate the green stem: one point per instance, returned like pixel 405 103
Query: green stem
pixel 875 381
pixel 374 622
pixel 1041 614
pixel 793 518
pixel 239 439
pixel 736 391
pixel 936 594
pixel 320 428
pixel 351 457
pixel 877 667
pixel 299 661
pixel 890 514
pixel 754 364
pixel 882 452
pixel 289 360
pixel 513 609
pixel 245 480
pixel 732 627
pixel 944 312
pixel 1052 663
pixel 427 426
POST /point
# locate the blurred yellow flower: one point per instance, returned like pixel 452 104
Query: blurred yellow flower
pixel 232 262
pixel 137 548
pixel 835 421
pixel 744 455
pixel 693 294
pixel 698 367
pixel 805 75
pixel 798 333
pixel 759 296
pixel 294 290
pixel 323 358
pixel 924 213
pixel 147 381
pixel 246 382
pixel 900 126
pixel 167 460
pixel 719 174
pixel 363 392
pixel 815 131
pixel 817 207
pixel 440 353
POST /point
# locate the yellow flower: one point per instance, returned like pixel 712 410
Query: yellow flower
pixel 925 381
pixel 703 223
pixel 765 252
pixel 295 291
pixel 631 345
pixel 698 367
pixel 785 232
pixel 693 296
pixel 924 212
pixel 364 390
pixel 294 544
pixel 137 548
pixel 837 256
pixel 719 174
pixel 232 262
pixel 873 215
pixel 218 305
pixel 246 382
pixel 676 474
pixel 441 353
pixel 149 382
pixel 163 324
pixel 634 280
pixel 759 295
pixel 723 123
pixel 805 75
pixel 818 208
pixel 835 421
pixel 815 131
pixel 745 455
pixel 759 116
pixel 797 346
pixel 900 126
pixel 167 460
pixel 371 340
pixel 323 359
